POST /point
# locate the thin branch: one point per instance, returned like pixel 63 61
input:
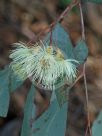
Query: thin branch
pixel 80 76
pixel 51 37
pixel 84 72
pixel 86 131
pixel 68 9
pixel 82 22
pixel 59 19
pixel 87 101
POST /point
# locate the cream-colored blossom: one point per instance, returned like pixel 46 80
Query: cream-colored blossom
pixel 44 64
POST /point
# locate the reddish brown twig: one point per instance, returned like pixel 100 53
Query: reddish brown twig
pixel 88 128
pixel 87 103
pixel 59 19
pixel 82 22
pixel 79 77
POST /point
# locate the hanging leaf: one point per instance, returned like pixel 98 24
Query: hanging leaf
pixel 95 1
pixel 4 101
pixel 52 122
pixel 97 126
pixel 4 92
pixel 81 51
pixel 8 83
pixel 62 95
pixel 28 111
pixel 14 81
pixel 61 40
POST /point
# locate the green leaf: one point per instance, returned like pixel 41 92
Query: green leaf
pixel 95 1
pixel 8 83
pixel 81 51
pixel 29 110
pixel 14 81
pixel 61 40
pixel 4 102
pixel 4 92
pixel 52 122
pixel 97 126
pixel 62 95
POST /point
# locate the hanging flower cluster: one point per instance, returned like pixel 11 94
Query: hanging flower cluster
pixel 43 64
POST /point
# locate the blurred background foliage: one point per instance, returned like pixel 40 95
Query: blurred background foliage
pixel 21 20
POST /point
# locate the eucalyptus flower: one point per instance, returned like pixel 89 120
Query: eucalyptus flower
pixel 43 64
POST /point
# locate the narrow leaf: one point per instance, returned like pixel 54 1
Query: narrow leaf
pixel 81 51
pixel 52 122
pixel 29 110
pixel 8 83
pixel 62 95
pixel 97 126
pixel 61 40
pixel 14 81
pixel 4 92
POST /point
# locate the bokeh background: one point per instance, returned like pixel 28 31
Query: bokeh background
pixel 21 20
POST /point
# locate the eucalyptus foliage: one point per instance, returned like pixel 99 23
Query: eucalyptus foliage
pixel 52 63
pixel 97 126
